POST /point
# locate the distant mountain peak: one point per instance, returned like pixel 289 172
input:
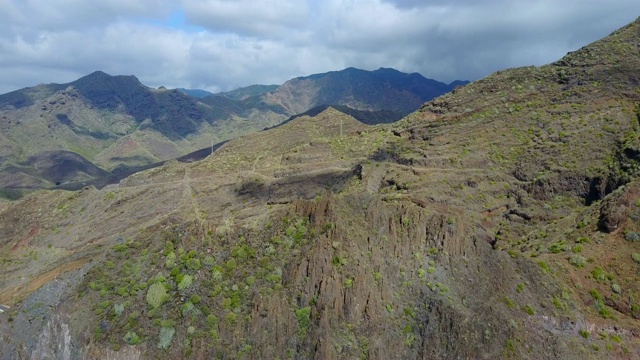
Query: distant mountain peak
pixel 196 93
pixel 382 89
pixel 98 73
pixel 101 79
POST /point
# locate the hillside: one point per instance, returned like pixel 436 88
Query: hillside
pixel 501 220
pixel 118 124
pixel 248 91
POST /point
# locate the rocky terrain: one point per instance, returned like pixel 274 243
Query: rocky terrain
pixel 498 221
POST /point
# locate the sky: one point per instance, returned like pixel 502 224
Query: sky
pixel 220 45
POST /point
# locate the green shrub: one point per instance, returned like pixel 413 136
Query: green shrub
pixel 558 247
pixel 290 230
pixel 193 264
pixel 508 302
pixel 583 240
pixel 231 264
pixel 208 261
pixel 212 320
pixel 577 249
pixel 376 277
pixel 120 247
pixel 636 257
pixel 165 337
pixel 336 261
pixel 616 339
pixel 421 273
pixel 195 299
pixel 559 304
pixel 104 304
pixel 631 236
pixel 231 318
pixel 519 287
pixel 179 276
pixel 301 231
pixel 167 323
pixel 603 310
pixel 157 295
pixel 598 274
pixel 510 347
pixel 304 319
pixel 122 290
pixel 274 278
pixel 578 261
pixel 118 309
pixel 186 308
pixel 543 265
pixel 584 333
pixel 170 261
pixel 132 338
pixel 348 283
pixel 168 247
pixel 616 288
pixel 186 281
pixel 216 273
pixel 528 309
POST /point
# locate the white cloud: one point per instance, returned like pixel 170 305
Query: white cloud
pixel 225 44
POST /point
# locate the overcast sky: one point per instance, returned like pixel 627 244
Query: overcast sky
pixel 224 44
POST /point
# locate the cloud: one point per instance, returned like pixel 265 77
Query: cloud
pixel 222 44
pixel 261 19
pixel 37 16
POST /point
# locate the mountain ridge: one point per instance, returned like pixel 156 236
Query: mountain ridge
pixel 117 122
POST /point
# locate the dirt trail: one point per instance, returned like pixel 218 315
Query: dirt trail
pixel 190 196
pixel 11 296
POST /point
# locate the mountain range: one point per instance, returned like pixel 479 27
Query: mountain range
pixel 102 124
pixel 498 221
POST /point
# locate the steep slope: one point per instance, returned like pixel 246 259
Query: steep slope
pixel 498 221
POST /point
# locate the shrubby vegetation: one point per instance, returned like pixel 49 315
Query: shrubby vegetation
pixel 173 292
